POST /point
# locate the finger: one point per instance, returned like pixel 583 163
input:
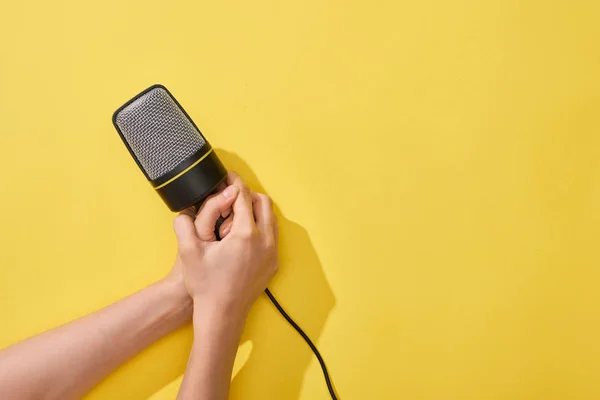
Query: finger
pixel 242 209
pixel 185 231
pixel 226 225
pixel 263 211
pixel 232 178
pixel 214 207
pixel 242 206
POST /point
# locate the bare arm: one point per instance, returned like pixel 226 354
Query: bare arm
pixel 223 279
pixel 66 362
pixel 216 339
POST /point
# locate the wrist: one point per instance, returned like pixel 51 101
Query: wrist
pixel 176 295
pixel 217 315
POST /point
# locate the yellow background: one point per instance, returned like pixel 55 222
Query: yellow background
pixel 436 165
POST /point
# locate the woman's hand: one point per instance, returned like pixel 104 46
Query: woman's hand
pixel 230 274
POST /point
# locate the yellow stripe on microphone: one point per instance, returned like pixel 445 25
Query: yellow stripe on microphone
pixel 184 171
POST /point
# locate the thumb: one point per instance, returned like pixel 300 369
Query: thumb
pixel 217 205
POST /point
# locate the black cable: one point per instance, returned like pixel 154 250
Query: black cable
pixel 307 340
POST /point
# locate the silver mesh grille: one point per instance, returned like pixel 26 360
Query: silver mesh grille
pixel 158 132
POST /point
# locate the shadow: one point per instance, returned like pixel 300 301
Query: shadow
pixel 279 357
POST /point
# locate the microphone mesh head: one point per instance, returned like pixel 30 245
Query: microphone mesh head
pixel 158 132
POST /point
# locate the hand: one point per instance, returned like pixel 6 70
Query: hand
pixel 222 204
pixel 230 274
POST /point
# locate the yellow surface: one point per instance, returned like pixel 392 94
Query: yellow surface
pixel 437 164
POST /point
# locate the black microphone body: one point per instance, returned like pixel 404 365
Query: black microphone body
pixel 194 183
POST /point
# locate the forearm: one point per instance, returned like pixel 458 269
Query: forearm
pixel 217 333
pixel 67 361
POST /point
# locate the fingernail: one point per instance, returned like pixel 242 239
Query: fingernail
pixel 230 191
pixel 226 230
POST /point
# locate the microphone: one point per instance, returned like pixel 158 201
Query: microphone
pixel 169 148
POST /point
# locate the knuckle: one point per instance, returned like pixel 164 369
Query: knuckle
pixel 244 188
pixel 245 233
pixel 266 199
pixel 177 220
